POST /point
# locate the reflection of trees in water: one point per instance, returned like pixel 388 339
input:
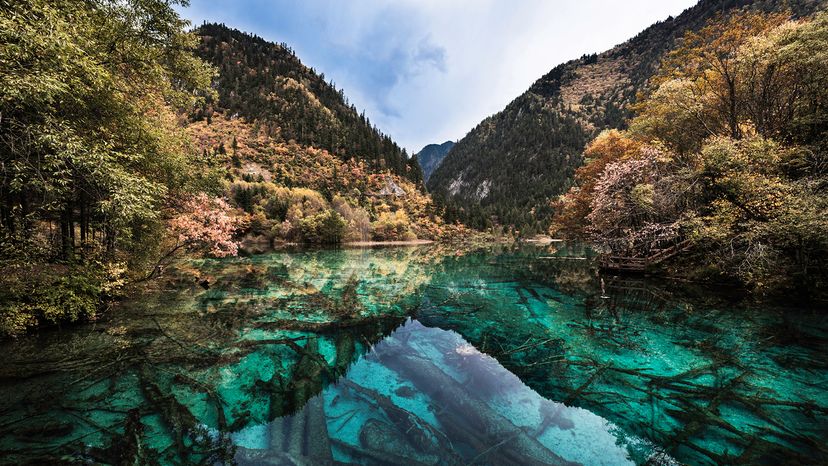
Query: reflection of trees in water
pixel 595 348
pixel 151 385
pixel 170 380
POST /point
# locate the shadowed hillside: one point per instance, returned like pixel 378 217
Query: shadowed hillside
pixel 508 168
pixel 431 156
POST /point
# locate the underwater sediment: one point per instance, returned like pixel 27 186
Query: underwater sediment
pixel 419 355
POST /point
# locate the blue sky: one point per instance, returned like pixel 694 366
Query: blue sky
pixel 427 71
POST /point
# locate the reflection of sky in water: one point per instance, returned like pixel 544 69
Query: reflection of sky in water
pixel 508 407
pixel 513 357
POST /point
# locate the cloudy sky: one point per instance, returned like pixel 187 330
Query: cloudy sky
pixel 427 71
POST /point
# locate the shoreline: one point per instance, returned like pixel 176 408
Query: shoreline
pixel 366 244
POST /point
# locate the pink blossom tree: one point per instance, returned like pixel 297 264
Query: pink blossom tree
pixel 637 206
pixel 202 224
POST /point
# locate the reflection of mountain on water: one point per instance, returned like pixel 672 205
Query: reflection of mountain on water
pixel 708 380
pixel 168 378
pixel 186 375
pixel 425 396
pixel 166 398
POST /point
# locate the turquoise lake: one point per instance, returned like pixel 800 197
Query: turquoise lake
pixel 421 355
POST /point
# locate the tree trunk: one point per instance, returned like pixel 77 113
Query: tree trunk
pixel 109 239
pixel 66 234
pixel 84 221
pixel 733 117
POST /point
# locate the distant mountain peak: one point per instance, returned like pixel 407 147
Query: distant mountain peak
pixel 431 155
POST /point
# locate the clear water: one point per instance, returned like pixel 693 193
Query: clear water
pixel 421 355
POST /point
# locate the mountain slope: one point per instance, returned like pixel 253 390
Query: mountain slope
pixel 297 161
pixel 268 85
pixel 431 156
pixel 508 168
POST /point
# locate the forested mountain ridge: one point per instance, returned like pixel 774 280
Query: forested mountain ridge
pixel 510 167
pixel 298 160
pixel 266 84
pixel 430 157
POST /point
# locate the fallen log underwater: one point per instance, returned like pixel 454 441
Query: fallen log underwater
pixel 329 326
pixel 491 437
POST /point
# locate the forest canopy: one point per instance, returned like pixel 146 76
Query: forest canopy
pixel 91 152
pixel 727 155
pixel 268 86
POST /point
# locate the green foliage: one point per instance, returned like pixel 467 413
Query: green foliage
pixel 760 221
pixel 91 150
pixel 393 226
pixel 324 228
pixel 32 297
pixel 84 91
pixel 357 218
pixel 295 214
